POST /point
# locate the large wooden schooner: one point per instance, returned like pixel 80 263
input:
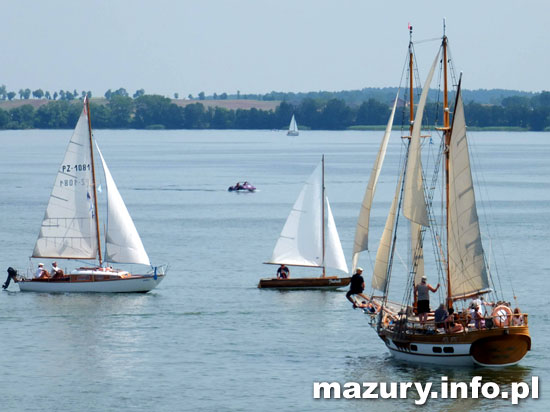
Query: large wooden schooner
pixel 502 337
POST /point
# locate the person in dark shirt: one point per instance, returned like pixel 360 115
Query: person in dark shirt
pixel 356 287
pixel 283 272
pixel 440 315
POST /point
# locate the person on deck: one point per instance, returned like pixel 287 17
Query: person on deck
pixel 440 315
pixel 356 287
pixel 283 272
pixel 56 272
pixel 423 290
pixel 41 273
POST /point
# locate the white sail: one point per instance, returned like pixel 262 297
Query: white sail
pixel 334 254
pixel 122 241
pixel 361 242
pixel 467 270
pixel 414 204
pixel 68 229
pixel 380 273
pixel 300 242
pixel 293 127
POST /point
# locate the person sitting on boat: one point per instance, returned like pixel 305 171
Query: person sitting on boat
pixel 238 186
pixel 452 323
pixel 479 321
pixel 517 319
pixel 283 272
pixel 56 272
pixel 41 273
pixel 423 295
pixel 440 315
pixel 356 287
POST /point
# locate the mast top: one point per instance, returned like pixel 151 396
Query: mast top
pixel 444 26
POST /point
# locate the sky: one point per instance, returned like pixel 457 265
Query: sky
pixel 258 46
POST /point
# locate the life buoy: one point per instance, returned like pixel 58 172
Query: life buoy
pixel 502 315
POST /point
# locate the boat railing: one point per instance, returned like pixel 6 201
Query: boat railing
pixel 401 323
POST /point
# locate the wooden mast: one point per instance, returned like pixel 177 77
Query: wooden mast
pixel 93 179
pixel 323 211
pixel 411 85
pixel 447 133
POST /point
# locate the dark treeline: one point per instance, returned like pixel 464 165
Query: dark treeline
pixel 158 112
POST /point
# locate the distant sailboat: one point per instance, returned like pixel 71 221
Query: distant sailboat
pixel 293 127
pixel 499 338
pixel 70 229
pixel 307 241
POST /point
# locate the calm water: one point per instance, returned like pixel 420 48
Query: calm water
pixel 207 338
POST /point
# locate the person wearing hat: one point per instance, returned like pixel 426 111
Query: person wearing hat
pixel 422 291
pixel 56 272
pixel 356 286
pixel 41 273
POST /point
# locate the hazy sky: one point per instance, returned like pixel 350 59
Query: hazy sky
pixel 256 46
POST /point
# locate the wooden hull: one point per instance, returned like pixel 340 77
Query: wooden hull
pixel 329 282
pixel 131 284
pixel 488 347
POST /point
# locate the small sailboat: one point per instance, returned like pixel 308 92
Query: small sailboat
pixel 293 127
pixel 71 230
pixel 498 337
pixel 307 241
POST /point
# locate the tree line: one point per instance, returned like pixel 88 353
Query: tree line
pixel 157 112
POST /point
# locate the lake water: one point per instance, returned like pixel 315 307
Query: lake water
pixel 207 338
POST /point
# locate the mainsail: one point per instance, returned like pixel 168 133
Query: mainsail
pixel 68 230
pixel 467 270
pixel 361 242
pixel 122 241
pixel 293 127
pixel 301 240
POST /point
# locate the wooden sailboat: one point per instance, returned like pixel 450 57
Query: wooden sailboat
pixel 499 338
pixel 293 127
pixel 307 241
pixel 70 229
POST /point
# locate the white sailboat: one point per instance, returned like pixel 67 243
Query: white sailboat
pixel 293 127
pixel 70 229
pixel 498 338
pixel 307 241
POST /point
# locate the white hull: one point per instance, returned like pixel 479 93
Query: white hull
pixel 290 133
pixel 125 285
pixel 460 356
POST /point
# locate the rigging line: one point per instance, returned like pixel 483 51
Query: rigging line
pixel 438 39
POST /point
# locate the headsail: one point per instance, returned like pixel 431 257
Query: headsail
pixel 467 270
pixel 334 254
pixel 362 230
pixel 414 204
pixel 380 273
pixel 122 241
pixel 68 230
pixel 300 242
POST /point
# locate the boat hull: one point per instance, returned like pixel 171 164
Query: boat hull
pixel 293 133
pixel 488 347
pixel 132 284
pixel 328 282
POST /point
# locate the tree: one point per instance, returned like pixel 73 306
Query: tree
pixel 176 96
pixel 121 110
pixel 11 95
pixel 108 94
pixel 23 116
pixel 55 95
pixel 138 93
pixel 47 95
pixel 190 96
pixel 152 110
pixel 223 96
pixel 194 116
pixel 335 115
pixel 3 92
pixel 39 93
pixel 201 96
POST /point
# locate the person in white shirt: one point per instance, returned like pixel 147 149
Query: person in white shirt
pixel 57 272
pixel 41 273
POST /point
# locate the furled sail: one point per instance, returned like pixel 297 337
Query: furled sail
pixel 467 270
pixel 334 254
pixel 417 252
pixel 414 203
pixel 68 229
pixel 300 242
pixel 360 243
pixel 122 241
pixel 380 273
